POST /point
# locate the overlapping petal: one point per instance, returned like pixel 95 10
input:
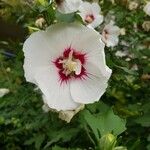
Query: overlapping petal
pixel 57 95
pixel 91 88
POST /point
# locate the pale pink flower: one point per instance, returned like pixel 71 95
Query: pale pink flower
pixel 147 8
pixel 90 14
pixel 110 34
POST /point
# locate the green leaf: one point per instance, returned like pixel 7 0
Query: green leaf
pixel 104 123
pixel 43 2
pixel 58 148
pixel 63 135
pixel 144 120
pixel 148 147
pixel 65 17
pixel 131 72
pixel 39 140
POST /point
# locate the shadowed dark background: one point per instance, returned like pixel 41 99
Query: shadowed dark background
pixel 9 31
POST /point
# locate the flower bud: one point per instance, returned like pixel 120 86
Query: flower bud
pixel 40 22
pixel 146 26
pixel 123 31
pixel 68 114
pixel 107 142
pixel 45 108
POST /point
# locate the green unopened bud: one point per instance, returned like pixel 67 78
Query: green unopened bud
pixel 107 142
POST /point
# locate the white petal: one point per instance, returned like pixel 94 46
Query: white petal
pixel 115 30
pixel 36 54
pixel 57 95
pixel 69 6
pixel 85 8
pixel 62 36
pixel 112 41
pixel 112 29
pixel 91 88
pixel 98 59
pixel 94 49
pixel 97 21
pixel 96 8
pixel 147 8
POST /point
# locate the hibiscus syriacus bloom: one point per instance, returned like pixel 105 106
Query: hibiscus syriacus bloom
pixel 68 6
pixel 147 8
pixel 67 62
pixel 110 34
pixel 90 14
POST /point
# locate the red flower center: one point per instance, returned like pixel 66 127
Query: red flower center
pixel 105 34
pixel 89 18
pixel 71 65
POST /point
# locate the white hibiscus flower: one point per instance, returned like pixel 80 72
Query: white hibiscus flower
pixel 110 34
pixel 68 6
pixel 90 14
pixel 147 8
pixel 67 62
pixel 3 92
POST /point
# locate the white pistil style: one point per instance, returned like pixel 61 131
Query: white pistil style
pixel 71 65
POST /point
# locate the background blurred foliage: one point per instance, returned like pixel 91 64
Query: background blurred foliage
pixel 24 125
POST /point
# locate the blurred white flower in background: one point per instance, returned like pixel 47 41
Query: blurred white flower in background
pixel 110 16
pixel 134 67
pixel 110 34
pixel 147 8
pixel 146 26
pixel 68 6
pixel 121 53
pixel 133 5
pixel 90 14
pixel 122 31
pixel 3 92
pixel 69 71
